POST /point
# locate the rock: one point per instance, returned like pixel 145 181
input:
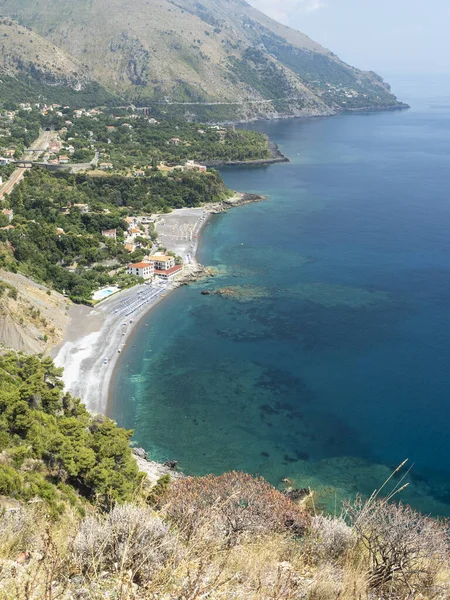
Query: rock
pixel 225 292
pixel 205 293
pixel 140 452
pixel 296 493
pixel 170 464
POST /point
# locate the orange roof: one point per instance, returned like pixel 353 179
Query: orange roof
pixel 169 271
pixel 140 265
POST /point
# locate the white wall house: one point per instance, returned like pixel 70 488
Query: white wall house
pixel 142 269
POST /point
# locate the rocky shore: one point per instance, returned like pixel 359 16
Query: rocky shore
pixel 239 199
pixel 153 469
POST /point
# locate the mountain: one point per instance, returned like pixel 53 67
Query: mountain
pixel 32 68
pixel 223 52
pixel 23 52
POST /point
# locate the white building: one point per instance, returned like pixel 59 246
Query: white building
pixel 110 233
pixel 162 262
pixel 145 270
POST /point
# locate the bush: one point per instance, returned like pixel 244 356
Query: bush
pixel 17 531
pixel 129 538
pixel 328 539
pixel 233 504
pixel 406 551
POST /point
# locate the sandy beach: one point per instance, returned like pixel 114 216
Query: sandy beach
pixel 90 348
pixel 96 336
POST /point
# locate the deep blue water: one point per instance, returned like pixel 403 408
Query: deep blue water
pixel 331 363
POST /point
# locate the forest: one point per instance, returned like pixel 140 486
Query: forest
pixel 128 140
pixel 54 446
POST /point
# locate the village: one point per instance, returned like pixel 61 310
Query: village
pixel 71 144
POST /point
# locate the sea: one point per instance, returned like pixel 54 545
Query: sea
pixel 325 359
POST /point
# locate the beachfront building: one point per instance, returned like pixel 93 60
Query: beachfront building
pixel 165 267
pixel 168 273
pixel 162 262
pixel 145 270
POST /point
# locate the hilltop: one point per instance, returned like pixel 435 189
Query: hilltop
pixel 218 51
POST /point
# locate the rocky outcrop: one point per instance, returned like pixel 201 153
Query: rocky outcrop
pixel 153 469
pixel 32 318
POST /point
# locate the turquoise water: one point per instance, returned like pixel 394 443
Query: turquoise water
pixel 330 361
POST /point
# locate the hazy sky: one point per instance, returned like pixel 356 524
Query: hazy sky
pixel 388 36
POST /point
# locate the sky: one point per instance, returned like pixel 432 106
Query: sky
pixel 387 36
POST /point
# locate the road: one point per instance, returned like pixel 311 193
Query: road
pixel 40 142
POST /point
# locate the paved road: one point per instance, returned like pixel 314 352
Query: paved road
pixel 34 151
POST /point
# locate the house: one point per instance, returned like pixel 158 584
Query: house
pixel 132 232
pixel 84 208
pixel 10 152
pixel 130 247
pixel 7 227
pixel 4 161
pixel 8 212
pixel 141 269
pixel 110 233
pixel 110 128
pixel 175 141
pixel 63 160
pixel 193 166
pixel 60 231
pixel 104 166
pixel 163 262
pixel 139 173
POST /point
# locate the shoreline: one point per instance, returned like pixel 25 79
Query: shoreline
pixel 96 334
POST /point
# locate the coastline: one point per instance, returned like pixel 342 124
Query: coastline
pixel 96 334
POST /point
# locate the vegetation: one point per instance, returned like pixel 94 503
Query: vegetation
pixel 140 142
pixel 134 552
pixel 52 446
pixel 54 242
pixel 15 89
pixel 218 537
pixel 19 133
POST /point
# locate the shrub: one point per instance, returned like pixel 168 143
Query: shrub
pixel 328 539
pixel 233 504
pixel 406 551
pixel 129 538
pixel 17 531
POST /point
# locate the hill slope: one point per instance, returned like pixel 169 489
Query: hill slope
pixel 221 51
pixel 32 69
pixel 23 52
pixel 30 319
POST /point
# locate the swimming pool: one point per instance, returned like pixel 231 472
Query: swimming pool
pixel 104 293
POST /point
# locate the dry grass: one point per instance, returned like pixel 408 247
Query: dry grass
pixel 135 553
